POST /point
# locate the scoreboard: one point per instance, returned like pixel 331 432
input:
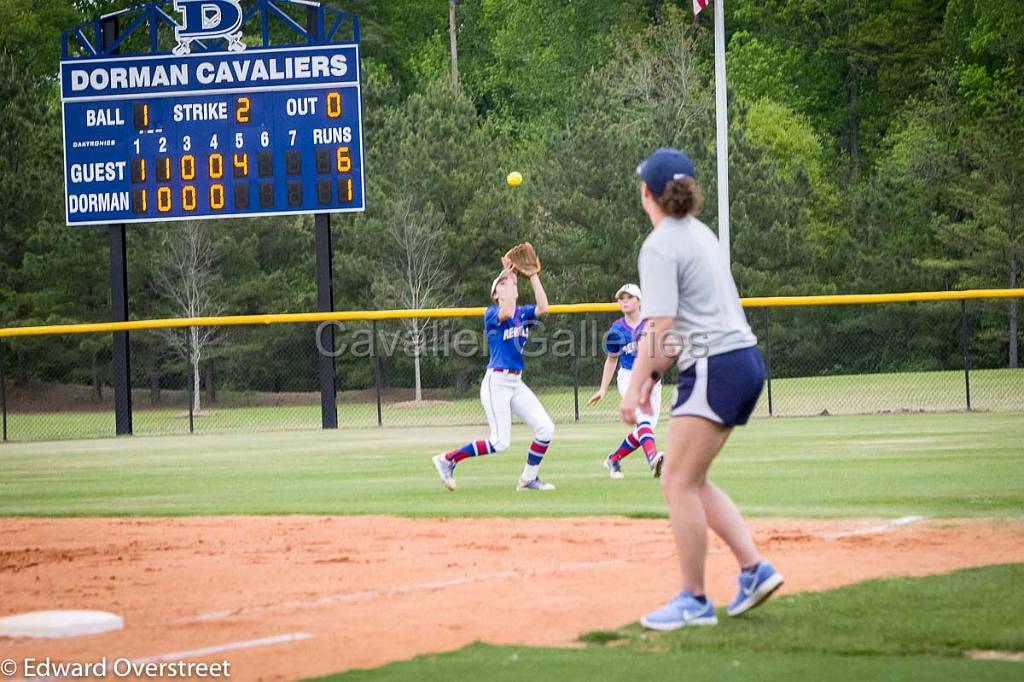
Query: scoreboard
pixel 212 135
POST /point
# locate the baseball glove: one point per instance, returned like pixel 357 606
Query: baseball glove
pixel 524 259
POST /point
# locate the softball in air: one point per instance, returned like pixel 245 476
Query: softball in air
pixel 514 179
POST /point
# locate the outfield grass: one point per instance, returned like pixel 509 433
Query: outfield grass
pixel 895 629
pixel 991 390
pixel 953 465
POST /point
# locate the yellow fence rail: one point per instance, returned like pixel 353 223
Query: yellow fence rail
pixel 367 315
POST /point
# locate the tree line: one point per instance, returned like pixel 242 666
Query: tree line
pixel 874 146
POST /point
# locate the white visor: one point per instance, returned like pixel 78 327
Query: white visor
pixel 631 289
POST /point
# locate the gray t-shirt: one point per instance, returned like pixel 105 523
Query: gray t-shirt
pixel 684 275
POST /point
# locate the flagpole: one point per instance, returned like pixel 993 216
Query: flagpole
pixel 722 125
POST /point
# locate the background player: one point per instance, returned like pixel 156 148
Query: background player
pixel 620 344
pixel 692 305
pixel 502 392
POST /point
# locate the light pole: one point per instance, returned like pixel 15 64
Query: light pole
pixel 454 42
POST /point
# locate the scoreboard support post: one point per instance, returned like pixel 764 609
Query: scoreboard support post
pixel 325 303
pixel 121 377
pixel 324 290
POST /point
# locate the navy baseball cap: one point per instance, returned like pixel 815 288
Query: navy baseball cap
pixel 664 166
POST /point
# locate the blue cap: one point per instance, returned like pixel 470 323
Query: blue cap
pixel 664 166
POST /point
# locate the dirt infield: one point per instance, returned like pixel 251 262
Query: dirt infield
pixel 352 592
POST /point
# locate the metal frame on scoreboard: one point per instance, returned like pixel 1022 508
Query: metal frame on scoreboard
pixel 152 16
pixel 324 27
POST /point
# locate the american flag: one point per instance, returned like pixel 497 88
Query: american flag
pixel 698 5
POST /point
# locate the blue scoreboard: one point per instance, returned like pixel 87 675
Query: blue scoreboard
pixel 258 132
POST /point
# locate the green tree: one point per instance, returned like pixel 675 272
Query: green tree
pixel 588 201
pixel 845 64
pixel 985 48
pixel 988 243
pixel 518 60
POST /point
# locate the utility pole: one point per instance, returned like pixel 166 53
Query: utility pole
pixel 454 42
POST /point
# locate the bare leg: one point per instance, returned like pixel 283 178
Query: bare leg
pixel 724 518
pixel 693 443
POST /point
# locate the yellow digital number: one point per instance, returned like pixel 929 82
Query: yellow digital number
pixel 242 110
pixel 188 198
pixel 344 160
pixel 333 105
pixel 188 167
pixel 241 162
pixel 163 199
pixel 216 197
pixel 216 166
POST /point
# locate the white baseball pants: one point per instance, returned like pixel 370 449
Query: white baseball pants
pixel 622 381
pixel 502 394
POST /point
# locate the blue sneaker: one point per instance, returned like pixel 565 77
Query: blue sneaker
pixel 445 469
pixel 755 587
pixel 682 609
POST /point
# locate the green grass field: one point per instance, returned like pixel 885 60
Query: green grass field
pixel 952 465
pixel 931 464
pixel 898 629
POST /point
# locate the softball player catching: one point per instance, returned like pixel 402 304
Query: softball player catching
pixel 620 344
pixel 691 305
pixel 502 392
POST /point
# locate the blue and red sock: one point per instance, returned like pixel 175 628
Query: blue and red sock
pixel 475 449
pixel 628 445
pixel 534 456
pixel 538 448
pixel 645 434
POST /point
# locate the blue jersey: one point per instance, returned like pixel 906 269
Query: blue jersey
pixel 622 340
pixel 505 340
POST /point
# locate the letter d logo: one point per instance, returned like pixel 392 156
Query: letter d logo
pixel 207 20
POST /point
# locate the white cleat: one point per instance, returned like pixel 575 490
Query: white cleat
pixel 445 470
pixel 535 484
pixel 614 468
pixel 656 463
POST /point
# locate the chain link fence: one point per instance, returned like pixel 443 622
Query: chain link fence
pixel 896 357
pixel 822 360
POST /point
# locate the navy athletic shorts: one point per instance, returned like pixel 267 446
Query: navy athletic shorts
pixel 723 388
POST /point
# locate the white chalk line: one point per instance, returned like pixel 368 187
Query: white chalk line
pixel 875 530
pixel 203 651
pixel 221 648
pixel 329 600
pixel 994 655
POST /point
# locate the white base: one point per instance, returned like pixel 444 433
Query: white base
pixel 58 624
